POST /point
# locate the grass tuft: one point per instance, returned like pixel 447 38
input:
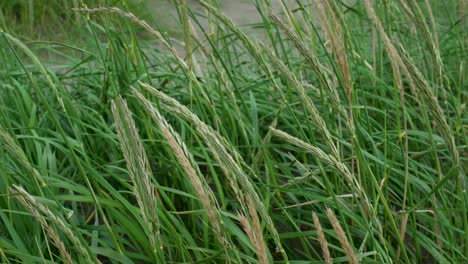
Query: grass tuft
pixel 125 141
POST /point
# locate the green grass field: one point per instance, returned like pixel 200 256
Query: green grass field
pixel 338 136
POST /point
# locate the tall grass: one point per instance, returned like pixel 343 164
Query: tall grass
pixel 332 133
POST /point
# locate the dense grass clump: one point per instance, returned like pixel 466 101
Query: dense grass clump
pixel 332 132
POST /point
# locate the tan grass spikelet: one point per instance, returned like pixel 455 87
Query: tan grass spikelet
pixel 9 144
pixel 419 87
pixel 335 34
pixel 322 239
pixel 139 171
pixel 250 45
pixel 228 159
pixel 321 155
pixel 317 67
pixel 190 168
pixel 395 62
pixel 416 17
pixel 348 249
pixel 181 62
pixel 305 99
pixel 433 104
pixel 19 191
pixel 354 184
pixel 33 203
pixel 254 231
pixel 254 51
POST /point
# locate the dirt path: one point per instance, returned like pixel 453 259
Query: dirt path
pixel 242 12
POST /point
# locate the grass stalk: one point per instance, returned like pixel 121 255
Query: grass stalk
pixel 230 167
pixel 140 173
pixel 35 207
pixel 188 164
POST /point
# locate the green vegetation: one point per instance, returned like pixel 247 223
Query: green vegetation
pixel 337 134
